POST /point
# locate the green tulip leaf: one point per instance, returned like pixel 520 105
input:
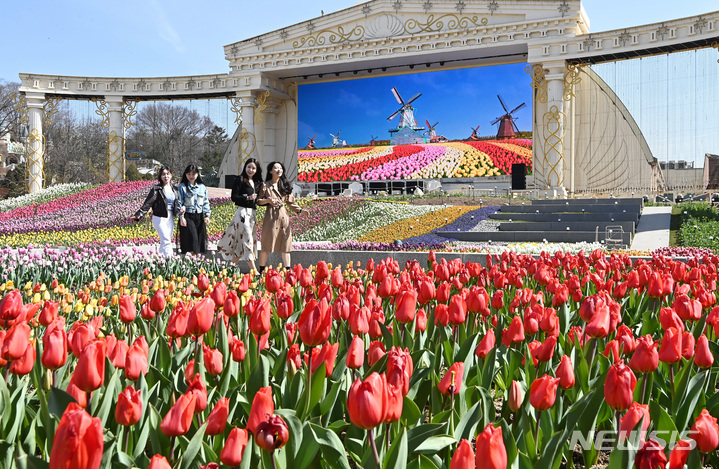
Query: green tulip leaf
pixel 410 412
pixel 396 457
pixel 333 451
pixel 418 434
pixel 189 455
pixel 308 450
pixel 467 425
pixel 435 443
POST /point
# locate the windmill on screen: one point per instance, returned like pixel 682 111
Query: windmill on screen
pixel 407 128
pixel 432 133
pixel 336 140
pixel 311 144
pixel 507 125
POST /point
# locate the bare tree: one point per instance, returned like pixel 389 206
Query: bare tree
pixel 170 134
pixel 75 151
pixel 9 119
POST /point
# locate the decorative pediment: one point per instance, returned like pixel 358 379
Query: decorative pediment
pixel 389 19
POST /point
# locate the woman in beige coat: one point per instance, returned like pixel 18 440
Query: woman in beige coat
pixel 276 232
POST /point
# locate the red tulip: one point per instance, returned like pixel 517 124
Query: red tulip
pixel 273 281
pixel 203 283
pixel 118 354
pixel 237 348
pixel 11 305
pixel 619 386
pixel 336 277
pixel 679 455
pixel 127 309
pixel 514 333
pixel 24 364
pixel 516 396
pixel 543 392
pixel 565 373
pixel 326 354
pixel 420 325
pixel 201 315
pixel 177 323
pixel 668 318
pixel 90 370
pixel 78 442
pixel 15 342
pixel 705 432
pixel 395 400
pixel 490 450
pixel 285 304
pixel 129 407
pixel 376 351
pixel 463 457
pixel 645 358
pixel 545 351
pixel 406 307
pixel 457 310
pixel 650 456
pixel 670 350
pixel 48 313
pixel 688 343
pixel 213 360
pixel 443 291
pixel 452 380
pixel 262 404
pixel 687 308
pixel 54 343
pixel 626 340
pixel 217 420
pixel 136 362
pixel 158 302
pixel 598 326
pixel 232 305
pixel 272 433
pixel 234 447
pixel 498 299
pixel 197 389
pixel 367 401
pixel 315 323
pixel 703 356
pixel 78 394
pixel 355 354
pixel 426 291
pixel 486 345
pixel 631 419
pixel 260 320
pixel 219 294
pixel 179 418
pixel 399 368
pixel 159 461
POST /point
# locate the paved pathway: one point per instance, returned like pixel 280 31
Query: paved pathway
pixel 653 229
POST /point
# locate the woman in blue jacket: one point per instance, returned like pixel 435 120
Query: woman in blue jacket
pixel 195 212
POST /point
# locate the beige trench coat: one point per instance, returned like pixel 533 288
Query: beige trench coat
pixel 276 233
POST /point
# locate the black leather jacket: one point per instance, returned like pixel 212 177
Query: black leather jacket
pixel 157 201
pixel 241 190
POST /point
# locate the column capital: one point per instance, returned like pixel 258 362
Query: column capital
pixel 35 100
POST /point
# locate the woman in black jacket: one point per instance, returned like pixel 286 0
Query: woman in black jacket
pixel 164 201
pixel 239 241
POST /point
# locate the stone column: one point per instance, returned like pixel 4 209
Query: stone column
pixel 247 142
pixel 269 122
pixel 35 142
pixel 554 130
pixel 115 140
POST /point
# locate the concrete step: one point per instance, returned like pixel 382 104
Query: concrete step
pixel 567 217
pixel 562 226
pixel 584 202
pixel 563 208
pixel 531 236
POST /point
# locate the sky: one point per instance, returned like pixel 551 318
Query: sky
pixel 149 38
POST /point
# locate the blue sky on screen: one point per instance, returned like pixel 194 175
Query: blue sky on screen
pixel 459 100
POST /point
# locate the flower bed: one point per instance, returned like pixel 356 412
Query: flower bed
pixel 122 359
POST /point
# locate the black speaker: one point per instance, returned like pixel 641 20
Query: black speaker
pixel 230 180
pixel 519 176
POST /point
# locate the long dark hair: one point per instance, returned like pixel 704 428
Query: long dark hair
pixel 163 168
pixel 283 185
pixel 191 168
pixel 257 178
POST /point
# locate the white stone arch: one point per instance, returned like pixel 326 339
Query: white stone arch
pixel 398 36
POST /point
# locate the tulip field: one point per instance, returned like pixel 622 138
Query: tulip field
pixel 123 359
pixel 428 161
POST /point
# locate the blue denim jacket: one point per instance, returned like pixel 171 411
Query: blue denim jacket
pixel 194 199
